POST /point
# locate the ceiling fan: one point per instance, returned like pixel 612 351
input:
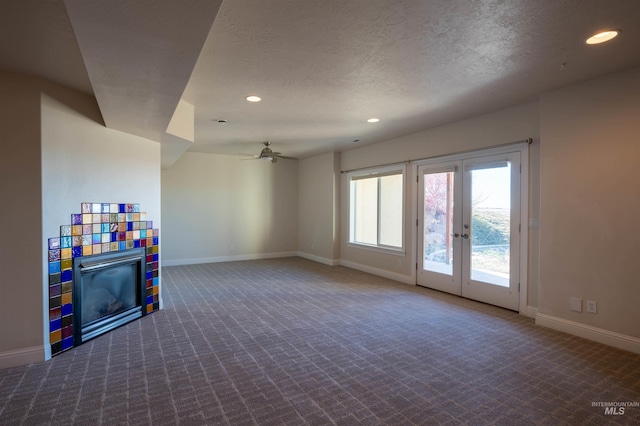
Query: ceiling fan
pixel 268 154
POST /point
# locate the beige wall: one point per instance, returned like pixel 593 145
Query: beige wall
pixel 590 201
pixel 318 186
pixel 216 208
pixel 500 127
pixel 504 126
pixel 83 161
pixel 57 154
pixel 21 313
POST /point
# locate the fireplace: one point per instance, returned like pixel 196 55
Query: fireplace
pixel 108 291
pixel 103 246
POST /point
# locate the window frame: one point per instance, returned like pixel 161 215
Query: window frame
pixel 377 172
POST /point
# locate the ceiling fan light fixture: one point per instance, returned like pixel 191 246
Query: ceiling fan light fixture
pixel 254 98
pixel 602 36
pixel 268 155
pixel 373 120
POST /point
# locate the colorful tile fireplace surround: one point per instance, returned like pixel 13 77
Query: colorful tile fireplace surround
pixel 100 228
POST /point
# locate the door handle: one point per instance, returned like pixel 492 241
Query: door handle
pixel 456 235
pixel 466 236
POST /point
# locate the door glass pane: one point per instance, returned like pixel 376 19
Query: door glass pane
pixel 490 225
pixel 438 222
pixel 391 210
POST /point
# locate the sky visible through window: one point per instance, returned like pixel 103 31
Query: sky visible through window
pixel 491 188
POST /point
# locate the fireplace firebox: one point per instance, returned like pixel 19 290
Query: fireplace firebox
pixel 108 291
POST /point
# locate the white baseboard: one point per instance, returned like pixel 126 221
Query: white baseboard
pixel 22 356
pixel 234 258
pixel 599 335
pixel 319 259
pixel 406 279
pixel 530 311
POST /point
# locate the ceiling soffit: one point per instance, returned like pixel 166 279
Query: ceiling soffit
pixel 36 39
pixel 139 56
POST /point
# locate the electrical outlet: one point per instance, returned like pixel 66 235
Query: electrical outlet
pixel 592 306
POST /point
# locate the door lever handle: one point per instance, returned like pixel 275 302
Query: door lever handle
pixel 465 235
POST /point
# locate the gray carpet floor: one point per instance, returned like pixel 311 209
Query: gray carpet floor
pixel 289 341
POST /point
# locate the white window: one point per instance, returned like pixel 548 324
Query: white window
pixel 376 207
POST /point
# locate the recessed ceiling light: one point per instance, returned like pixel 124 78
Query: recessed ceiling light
pixel 373 120
pixel 254 98
pixel 603 36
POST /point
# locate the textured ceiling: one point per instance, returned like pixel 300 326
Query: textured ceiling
pixel 321 67
pixel 324 68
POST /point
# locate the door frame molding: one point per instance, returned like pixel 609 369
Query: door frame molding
pixel 523 149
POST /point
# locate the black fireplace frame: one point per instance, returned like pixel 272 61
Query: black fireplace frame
pixel 102 261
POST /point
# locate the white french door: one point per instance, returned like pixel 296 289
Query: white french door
pixel 469 227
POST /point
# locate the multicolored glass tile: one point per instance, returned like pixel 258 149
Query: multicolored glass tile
pixel 97 228
pixel 65 242
pixel 76 251
pixel 54 255
pixel 54 243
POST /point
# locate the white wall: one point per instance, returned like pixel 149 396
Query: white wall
pixel 590 202
pixel 21 313
pixel 217 208
pixel 56 154
pixel 83 161
pixel 500 127
pixel 318 230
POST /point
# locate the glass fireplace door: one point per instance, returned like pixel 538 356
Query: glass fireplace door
pixel 108 291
